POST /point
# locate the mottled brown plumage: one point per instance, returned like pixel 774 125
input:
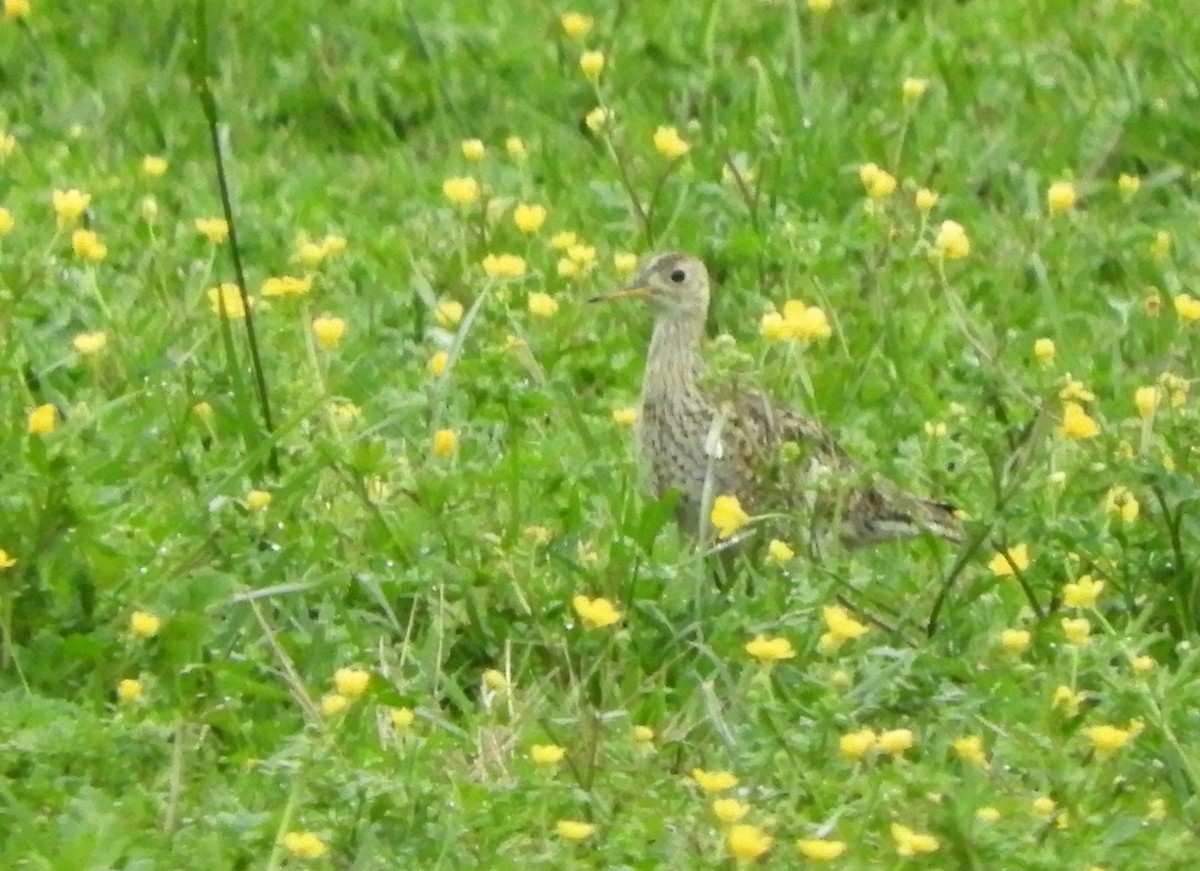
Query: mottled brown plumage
pixel 773 459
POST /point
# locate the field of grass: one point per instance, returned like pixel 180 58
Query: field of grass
pixel 299 587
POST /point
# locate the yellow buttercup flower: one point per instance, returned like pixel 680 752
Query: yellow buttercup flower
pixel 855 745
pixel 547 754
pixel 154 165
pixel 1009 562
pixel 598 119
pixel 130 690
pixel 575 24
pixel 495 680
pixel 592 64
pixel 574 830
pixel 768 650
pixel 334 704
pixel 820 6
pixel 69 205
pixel 88 246
pixel 625 416
pixel 304 845
pixel 669 143
pixel 7 561
pixel 820 849
pixel 1187 307
pixel 643 734
pixel 595 613
pixel 1077 423
pixel 1145 399
pixel 1107 740
pixel 43 419
pixel 351 682
pixel 215 230
pixel 1128 184
pixel 1015 640
pixel 473 150
pixel 841 625
pixel 1044 350
pixel 503 265
pixel 542 304
pixel 444 442
pixel 17 10
pixel 1082 593
pixel 878 182
pixel 1076 629
pixel 529 217
pixel 286 285
pixel 257 500
pixel 951 241
pixel 1060 197
pixel 925 200
pixel 1043 805
pixel 747 842
pixel 714 781
pixel 914 89
pixel 727 516
pixel 779 551
pixel 969 749
pixel 729 810
pixel 402 718
pixel 1068 699
pixel 7 222
pixel 90 343
pixel 896 741
pixel 329 330
pixel 462 191
pixel 515 146
pixel 987 814
pixel 448 312
pixel 625 263
pixel 437 363
pixel 143 624
pixel 910 842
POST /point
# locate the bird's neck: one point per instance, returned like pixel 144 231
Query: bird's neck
pixel 673 363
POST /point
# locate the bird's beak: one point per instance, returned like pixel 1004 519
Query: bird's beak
pixel 634 291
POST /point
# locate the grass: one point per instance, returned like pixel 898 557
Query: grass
pixel 135 553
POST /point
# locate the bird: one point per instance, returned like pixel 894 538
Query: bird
pixel 771 458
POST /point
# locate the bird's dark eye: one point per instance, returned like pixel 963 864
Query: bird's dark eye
pixel 678 276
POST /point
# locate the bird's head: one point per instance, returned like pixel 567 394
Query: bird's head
pixel 675 284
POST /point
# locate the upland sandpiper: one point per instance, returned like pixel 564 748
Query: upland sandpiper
pixel 772 459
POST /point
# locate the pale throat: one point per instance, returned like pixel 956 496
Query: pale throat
pixel 673 363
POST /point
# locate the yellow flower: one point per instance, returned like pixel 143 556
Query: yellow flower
pixel 542 304
pixel 584 255
pixel 806 323
pixel 461 191
pixel 257 500
pixel 43 419
pixel 333 245
pixel 625 263
pixel 444 442
pixel 951 241
pixel 215 230
pixel 1015 640
pixel 286 285
pixel 495 680
pixel 154 165
pixel 7 222
pixel 304 845
pixel 841 625
pixel 592 64
pixel 770 649
pixel 1044 350
pixel 729 810
pixel 402 718
pixel 598 119
pixel 575 24
pixel 820 6
pixel 1060 197
pixel 574 830
pixel 1077 423
pixel 503 266
pixel 1106 740
pixel 595 613
pixel 1043 805
pixel 1011 561
pixel 1141 665
pixel 87 245
pixel 625 416
pixel 1083 592
pixel 6 560
pixel 563 240
pixel 8 144
pixel 1075 390
pixel 1077 629
pixel 515 146
pixel 529 217
pixel 1156 813
pixel 143 624
pixel 472 149
pixel 1128 184
pixel 747 842
pixel 1187 307
pixel 878 183
pixel 910 842
pixel 896 741
pixel 774 328
pixel 148 209
pixel 16 10
pixel 855 745
pixel 130 690
pixel 547 754
pixel 925 200
pixel 987 814
pixel 1177 386
pixel 969 749
pixel 669 143
pixel 90 343
pixel 204 411
pixel 346 412
pixel 1146 399
pixel 820 849
pixel 727 516
pixel 351 682
pixel 334 704
pixel 779 551
pixel 437 363
pixel 714 781
pixel 329 330
pixel 935 429
pixel 914 89
pixel 643 734
pixel 69 205
pixel 448 312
